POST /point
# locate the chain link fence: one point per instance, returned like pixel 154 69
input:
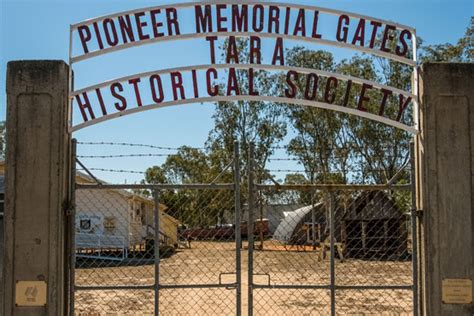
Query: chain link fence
pixel 343 250
pixel 210 249
pixel 119 262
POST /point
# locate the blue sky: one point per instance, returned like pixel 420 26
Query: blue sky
pixel 39 29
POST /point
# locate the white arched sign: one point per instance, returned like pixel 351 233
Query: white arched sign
pixel 211 20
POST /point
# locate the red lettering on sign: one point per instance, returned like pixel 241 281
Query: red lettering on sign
pixel 402 105
pixel 195 83
pixel 342 28
pixel 97 34
pixel 117 86
pixel 126 29
pixel 172 21
pixel 290 91
pixel 101 101
pixel 221 18
pixel 359 35
pixel 110 32
pixel 232 84
pixel 211 90
pixel 404 36
pixel 387 36
pixel 278 54
pixel 274 19
pixel 135 82
pixel 363 97
pixel 83 106
pixel 251 83
pixel 240 18
pixel 203 19
pixel 348 92
pixel 156 24
pixel 211 40
pixel 375 26
pixel 232 52
pixel 258 18
pixel 155 83
pixel 386 94
pixel 255 50
pixel 287 20
pixel 300 24
pixel 140 25
pixel 331 84
pixel 315 34
pixel 311 89
pixel 85 36
pixel 177 85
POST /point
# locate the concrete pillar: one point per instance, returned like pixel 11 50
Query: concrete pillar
pixel 445 188
pixel 37 175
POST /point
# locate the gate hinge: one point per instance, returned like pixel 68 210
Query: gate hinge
pixel 418 213
pixel 69 209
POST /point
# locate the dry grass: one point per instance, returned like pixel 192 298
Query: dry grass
pixel 203 263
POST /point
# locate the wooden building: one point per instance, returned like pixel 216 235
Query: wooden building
pixel 374 227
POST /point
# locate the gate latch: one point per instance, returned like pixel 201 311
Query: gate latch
pixel 229 279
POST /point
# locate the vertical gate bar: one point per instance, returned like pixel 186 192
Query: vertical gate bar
pixel 238 235
pixel 251 206
pixel 332 251
pixel 415 87
pixel 72 228
pixel 156 211
pixel 414 233
pixel 313 221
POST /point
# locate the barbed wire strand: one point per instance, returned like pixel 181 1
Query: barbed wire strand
pixel 123 156
pixel 202 148
pixel 134 145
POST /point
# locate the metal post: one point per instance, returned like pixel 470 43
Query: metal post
pixel 238 234
pixel 332 252
pixel 313 221
pixel 250 225
pixel 414 243
pixel 72 228
pixel 156 197
pixel 415 87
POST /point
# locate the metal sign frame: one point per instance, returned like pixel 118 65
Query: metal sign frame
pixel 391 56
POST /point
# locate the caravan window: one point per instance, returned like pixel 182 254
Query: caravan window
pixel 109 224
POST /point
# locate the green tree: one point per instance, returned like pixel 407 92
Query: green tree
pixel 192 207
pixel 247 121
pixel 320 134
pixel 462 51
pixel 378 150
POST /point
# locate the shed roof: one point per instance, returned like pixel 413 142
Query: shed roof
pixel 287 226
pixel 372 205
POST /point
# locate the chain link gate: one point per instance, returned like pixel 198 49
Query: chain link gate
pixel 304 249
pixel 122 264
pixel 332 249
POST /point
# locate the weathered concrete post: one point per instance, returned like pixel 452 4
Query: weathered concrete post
pixel 36 187
pixel 446 188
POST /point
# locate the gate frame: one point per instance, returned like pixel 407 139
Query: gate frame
pixel 155 188
pixel 329 190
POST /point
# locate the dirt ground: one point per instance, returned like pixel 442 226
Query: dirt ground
pixel 204 263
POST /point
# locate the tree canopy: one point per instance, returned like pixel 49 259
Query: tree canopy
pixel 331 147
